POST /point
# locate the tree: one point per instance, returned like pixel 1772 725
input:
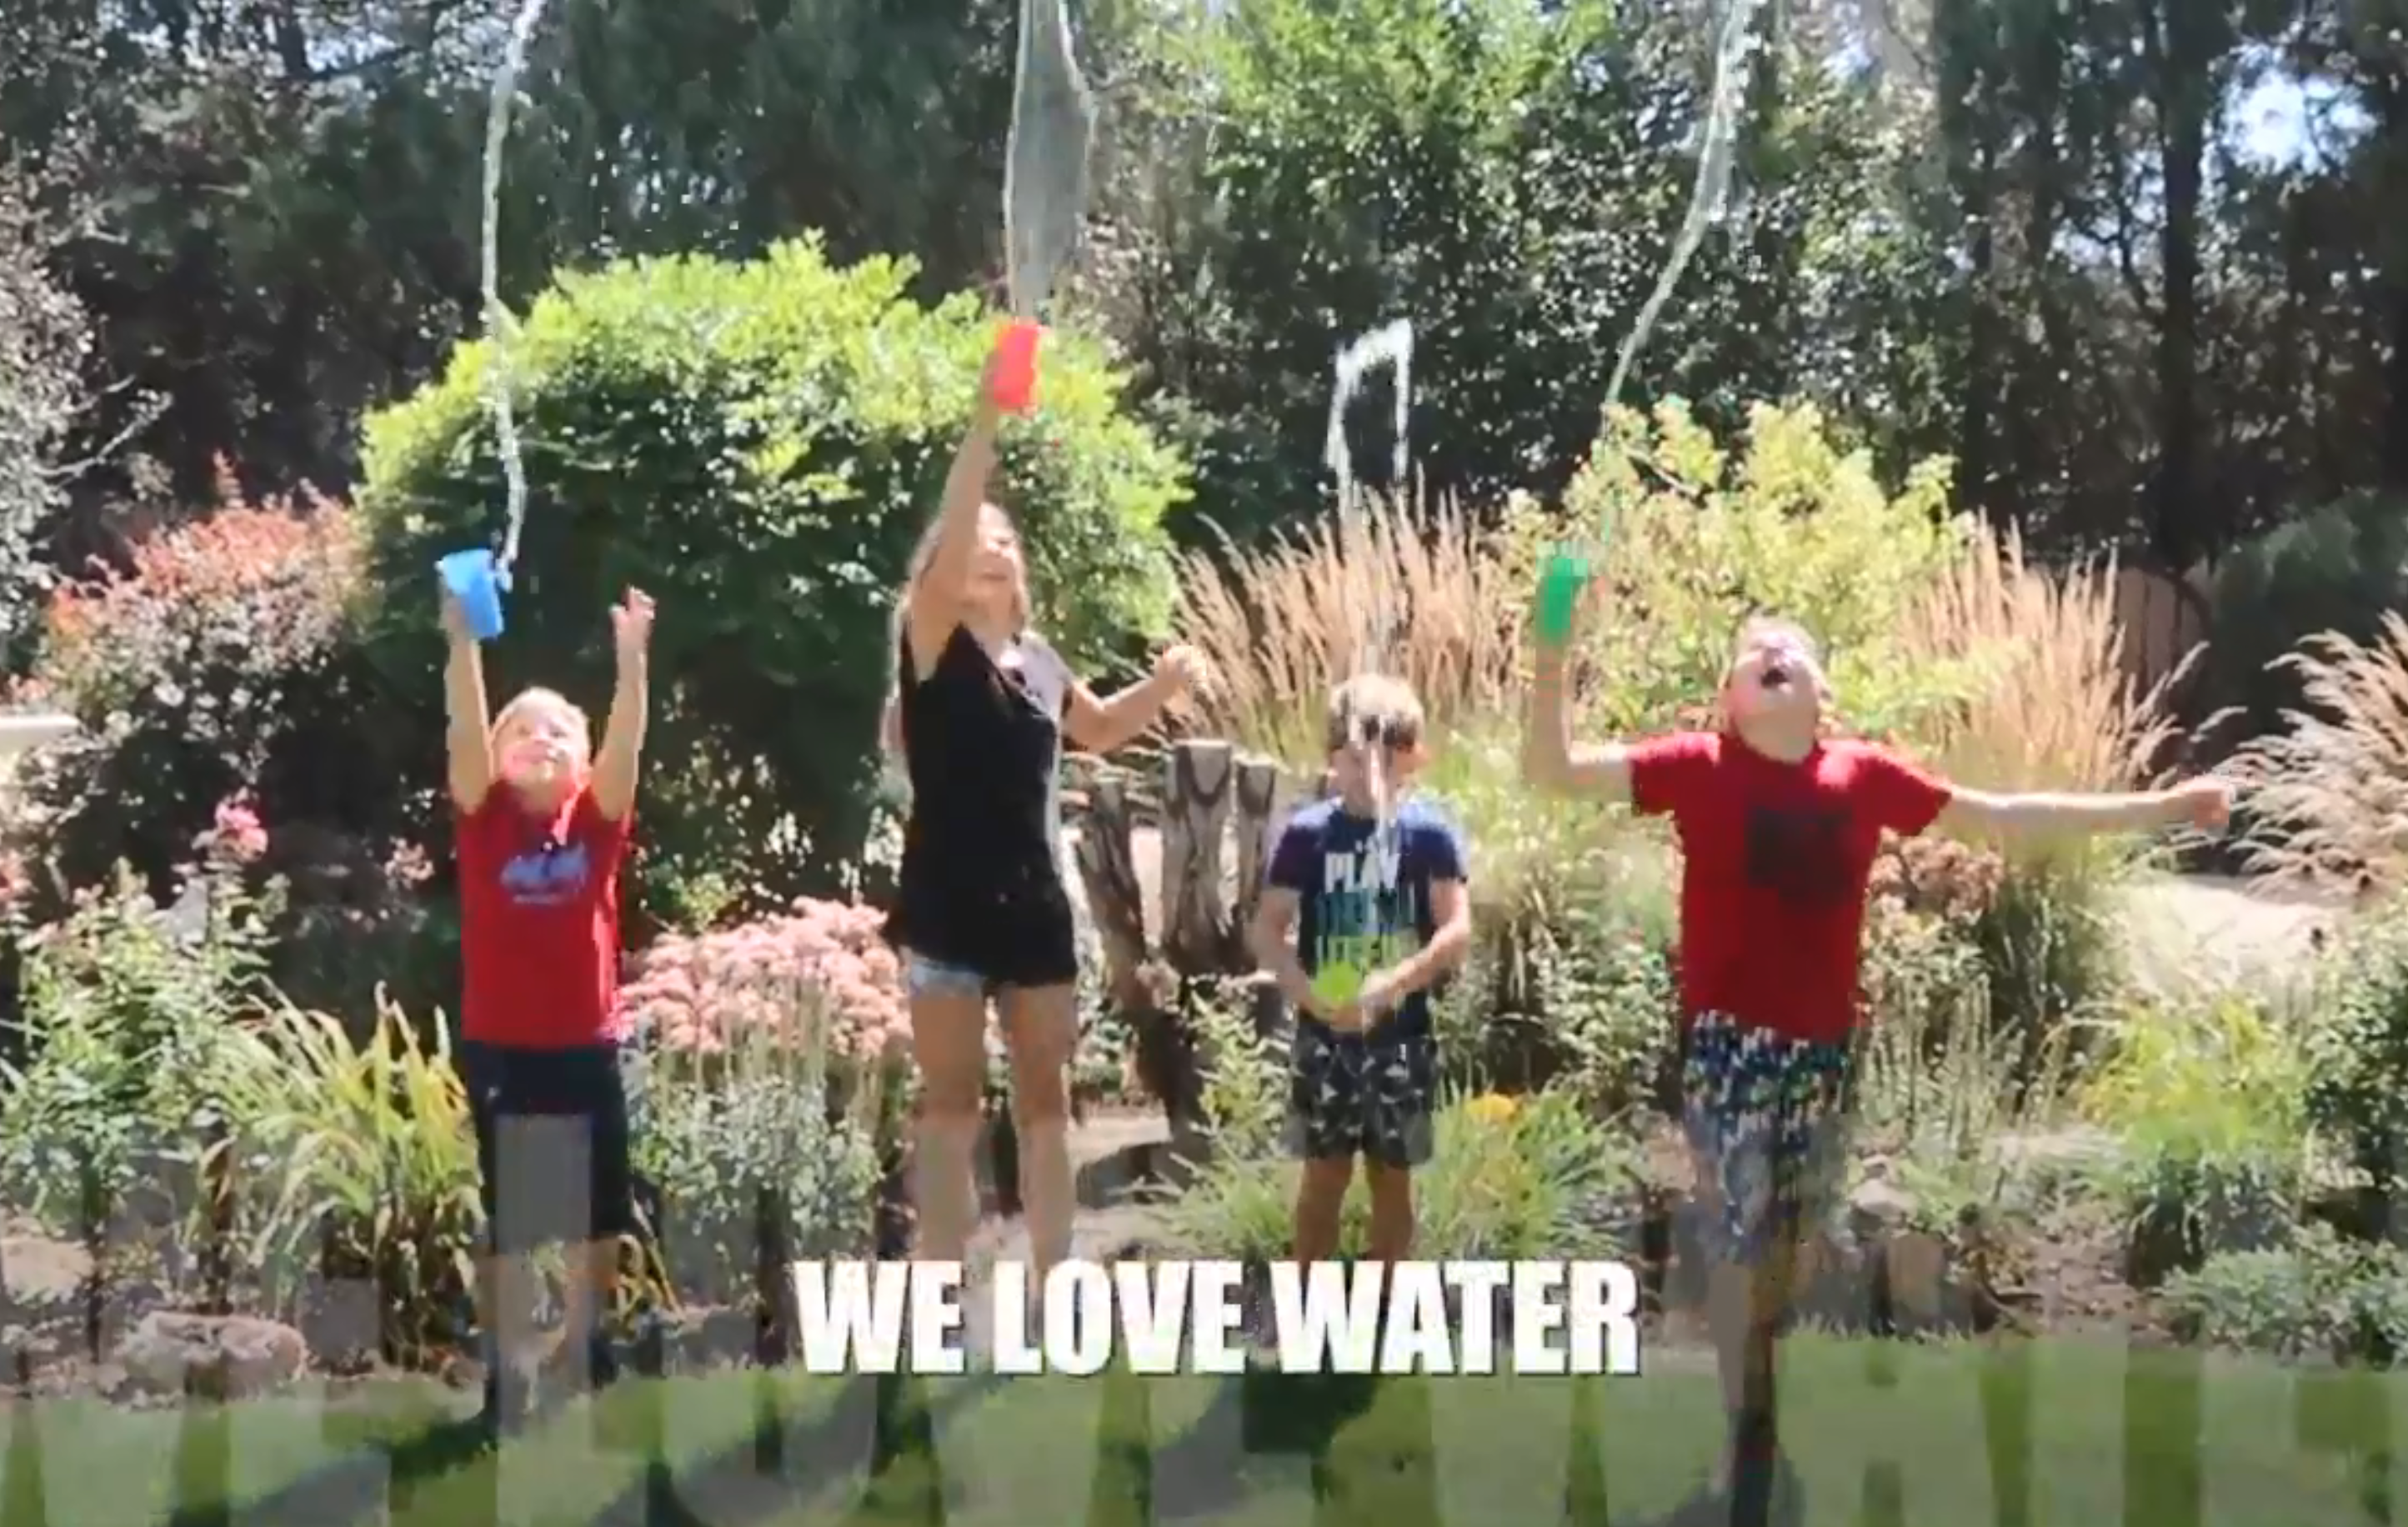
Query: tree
pixel 44 345
pixel 1511 178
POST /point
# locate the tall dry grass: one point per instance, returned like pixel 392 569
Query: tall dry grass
pixel 2327 796
pixel 1424 595
pixel 2048 703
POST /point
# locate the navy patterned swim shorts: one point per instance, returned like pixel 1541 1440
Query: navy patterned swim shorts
pixel 1370 1094
pixel 1766 1116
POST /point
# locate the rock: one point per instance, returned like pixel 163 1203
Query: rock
pixel 1879 1208
pixel 220 1357
pixel 696 1340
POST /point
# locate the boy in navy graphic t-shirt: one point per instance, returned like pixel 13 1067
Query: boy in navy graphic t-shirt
pixel 1361 918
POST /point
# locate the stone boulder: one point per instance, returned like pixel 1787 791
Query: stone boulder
pixel 218 1357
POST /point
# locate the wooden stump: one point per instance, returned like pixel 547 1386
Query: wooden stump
pixel 1209 792
pixel 1199 779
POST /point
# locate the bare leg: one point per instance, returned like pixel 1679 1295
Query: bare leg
pixel 948 1042
pixel 1392 1213
pixel 1320 1203
pixel 1040 1028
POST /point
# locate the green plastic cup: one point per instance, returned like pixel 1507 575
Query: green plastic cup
pixel 1338 984
pixel 1560 585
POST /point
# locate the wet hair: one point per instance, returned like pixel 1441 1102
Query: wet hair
pixel 1374 706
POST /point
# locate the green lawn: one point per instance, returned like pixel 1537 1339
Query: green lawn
pixel 2047 1433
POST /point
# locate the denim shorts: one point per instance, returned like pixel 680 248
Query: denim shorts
pixel 924 975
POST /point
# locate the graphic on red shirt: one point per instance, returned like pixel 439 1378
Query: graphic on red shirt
pixel 1799 852
pixel 539 923
pixel 1776 859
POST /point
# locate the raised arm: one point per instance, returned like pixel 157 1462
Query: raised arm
pixel 619 762
pixel 468 739
pixel 1549 760
pixel 934 595
pixel 2033 817
pixel 1101 726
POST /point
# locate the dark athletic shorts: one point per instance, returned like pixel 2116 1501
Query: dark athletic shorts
pixel 1371 1093
pixel 552 1144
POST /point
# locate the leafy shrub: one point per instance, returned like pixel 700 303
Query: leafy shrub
pixel 759 446
pixel 213 665
pixel 1935 1075
pixel 2321 1297
pixel 1582 1000
pixel 355 1159
pixel 131 1014
pixel 1698 540
pixel 217 665
pixel 2210 1103
pixel 1245 1095
pixel 756 1139
pixel 1530 1176
pixel 2357 1045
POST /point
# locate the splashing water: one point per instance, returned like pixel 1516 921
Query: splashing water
pixel 1392 345
pixel 1045 160
pixel 1712 189
pixel 499 326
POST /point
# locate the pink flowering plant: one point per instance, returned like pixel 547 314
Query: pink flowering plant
pixel 819 975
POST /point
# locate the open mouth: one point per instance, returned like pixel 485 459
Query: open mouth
pixel 1775 675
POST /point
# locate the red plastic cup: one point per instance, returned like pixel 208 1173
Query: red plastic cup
pixel 1013 386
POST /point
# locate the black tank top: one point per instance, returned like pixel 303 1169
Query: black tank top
pixel 980 882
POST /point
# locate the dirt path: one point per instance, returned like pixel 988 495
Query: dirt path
pixel 2189 931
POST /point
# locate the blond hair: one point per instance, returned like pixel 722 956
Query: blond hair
pixel 528 701
pixel 1374 706
pixel 890 725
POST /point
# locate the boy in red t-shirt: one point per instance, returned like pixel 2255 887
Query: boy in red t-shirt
pixel 542 829
pixel 1779 827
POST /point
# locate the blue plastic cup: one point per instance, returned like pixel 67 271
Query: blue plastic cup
pixel 474 580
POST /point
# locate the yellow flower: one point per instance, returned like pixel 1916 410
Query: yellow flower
pixel 1492 1108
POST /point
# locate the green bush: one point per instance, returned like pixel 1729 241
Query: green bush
pixel 351 1156
pixel 130 1027
pixel 758 446
pixel 1701 537
pixel 2357 1047
pixel 762 1138
pixel 2210 1103
pixel 1936 1076
pixel 217 667
pixel 2321 1298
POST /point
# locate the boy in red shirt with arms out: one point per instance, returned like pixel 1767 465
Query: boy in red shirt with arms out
pixel 542 829
pixel 1779 828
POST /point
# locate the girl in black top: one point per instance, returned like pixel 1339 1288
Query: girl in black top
pixel 981 707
